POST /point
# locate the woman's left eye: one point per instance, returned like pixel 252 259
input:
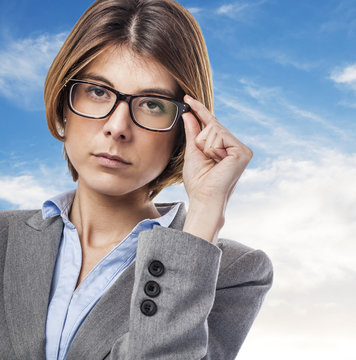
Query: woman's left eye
pixel 153 105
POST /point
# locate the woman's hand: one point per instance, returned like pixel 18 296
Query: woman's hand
pixel 213 163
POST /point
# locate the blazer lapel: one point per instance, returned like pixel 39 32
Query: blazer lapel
pixel 30 260
pixel 109 319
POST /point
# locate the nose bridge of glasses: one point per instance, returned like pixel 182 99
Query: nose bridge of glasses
pixel 121 97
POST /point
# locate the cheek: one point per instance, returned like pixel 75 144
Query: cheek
pixel 156 154
pixel 163 146
pixel 78 136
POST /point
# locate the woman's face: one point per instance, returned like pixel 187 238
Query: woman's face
pixel 95 145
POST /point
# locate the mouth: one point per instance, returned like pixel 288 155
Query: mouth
pixel 111 161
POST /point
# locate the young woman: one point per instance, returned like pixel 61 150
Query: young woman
pixel 102 272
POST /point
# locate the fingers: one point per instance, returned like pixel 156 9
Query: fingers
pixel 209 146
pixel 191 128
pixel 204 115
pixel 210 142
pixel 215 141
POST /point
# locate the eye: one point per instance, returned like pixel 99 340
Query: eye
pixel 98 93
pixel 152 105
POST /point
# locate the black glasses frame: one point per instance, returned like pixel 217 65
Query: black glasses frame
pixel 182 107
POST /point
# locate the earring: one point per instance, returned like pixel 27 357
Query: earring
pixel 60 129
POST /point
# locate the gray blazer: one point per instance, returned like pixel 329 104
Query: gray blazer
pixel 209 295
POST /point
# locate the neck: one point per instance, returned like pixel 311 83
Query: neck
pixel 102 220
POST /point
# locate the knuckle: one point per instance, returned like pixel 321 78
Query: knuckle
pixel 248 152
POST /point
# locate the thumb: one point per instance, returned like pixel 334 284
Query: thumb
pixel 191 128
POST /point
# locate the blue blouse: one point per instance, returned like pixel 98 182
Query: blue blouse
pixel 68 307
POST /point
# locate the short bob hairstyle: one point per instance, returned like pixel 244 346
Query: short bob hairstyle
pixel 161 30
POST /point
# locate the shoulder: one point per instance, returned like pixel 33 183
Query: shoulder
pixel 14 216
pixel 243 261
pixel 20 215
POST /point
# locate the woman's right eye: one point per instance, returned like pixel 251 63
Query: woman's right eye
pixel 98 93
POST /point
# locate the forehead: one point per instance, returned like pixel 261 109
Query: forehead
pixel 130 72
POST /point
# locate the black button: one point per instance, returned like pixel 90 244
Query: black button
pixel 156 268
pixel 148 307
pixel 152 289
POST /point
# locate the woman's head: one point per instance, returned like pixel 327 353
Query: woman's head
pixel 159 30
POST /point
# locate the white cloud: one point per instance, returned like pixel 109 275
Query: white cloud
pixel 346 75
pixel 345 79
pixel 29 189
pixel 303 214
pixel 24 65
pixel 310 204
pixel 24 192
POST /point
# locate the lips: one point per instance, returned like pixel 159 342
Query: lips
pixel 111 161
pixel 112 157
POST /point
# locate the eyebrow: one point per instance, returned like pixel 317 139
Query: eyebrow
pixel 160 91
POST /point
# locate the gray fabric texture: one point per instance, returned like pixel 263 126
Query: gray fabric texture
pixel 209 298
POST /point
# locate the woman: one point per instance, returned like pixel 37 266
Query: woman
pixel 102 272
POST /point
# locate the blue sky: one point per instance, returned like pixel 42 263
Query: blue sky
pixel 285 84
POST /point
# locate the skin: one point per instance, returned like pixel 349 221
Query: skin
pixel 109 201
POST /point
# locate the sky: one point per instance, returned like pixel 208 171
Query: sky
pixel 285 84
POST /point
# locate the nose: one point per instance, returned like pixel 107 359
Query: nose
pixel 119 123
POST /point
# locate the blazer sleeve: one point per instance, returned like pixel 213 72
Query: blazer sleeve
pixel 184 305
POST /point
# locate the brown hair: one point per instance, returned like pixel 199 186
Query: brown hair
pixel 162 30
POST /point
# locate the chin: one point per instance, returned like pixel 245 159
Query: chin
pixel 112 186
pixel 117 190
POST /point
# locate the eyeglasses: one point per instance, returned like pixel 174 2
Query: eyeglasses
pixel 97 101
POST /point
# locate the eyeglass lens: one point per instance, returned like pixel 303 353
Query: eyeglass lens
pixel 96 101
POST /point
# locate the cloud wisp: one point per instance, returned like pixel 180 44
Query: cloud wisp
pixel 232 9
pixel 23 67
pixel 239 10
pixel 194 10
pixel 272 123
pixel 286 60
pixel 346 76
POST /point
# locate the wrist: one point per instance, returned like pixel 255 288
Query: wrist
pixel 205 221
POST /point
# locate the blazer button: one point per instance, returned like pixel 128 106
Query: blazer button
pixel 148 307
pixel 156 268
pixel 152 289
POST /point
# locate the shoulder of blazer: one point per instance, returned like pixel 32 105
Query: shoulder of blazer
pixel 237 260
pixel 32 218
pixel 20 215
pixel 8 217
pixel 244 263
